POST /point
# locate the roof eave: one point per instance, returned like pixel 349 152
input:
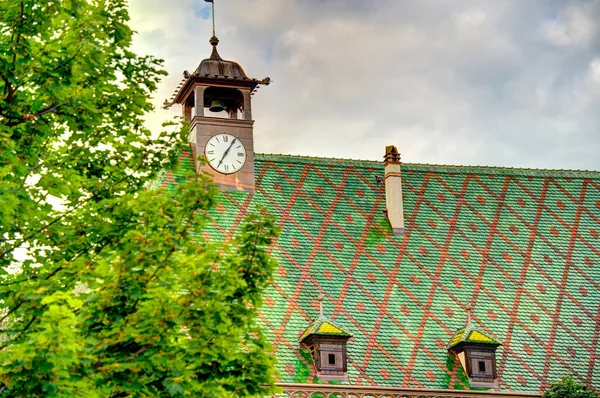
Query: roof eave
pixel 457 347
pixel 338 337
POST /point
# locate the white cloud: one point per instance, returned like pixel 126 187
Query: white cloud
pixel 574 27
pixel 463 82
pixel 595 69
pixel 469 21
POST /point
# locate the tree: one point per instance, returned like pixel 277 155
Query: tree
pixel 567 387
pixel 107 289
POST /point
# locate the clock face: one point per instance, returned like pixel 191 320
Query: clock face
pixel 225 153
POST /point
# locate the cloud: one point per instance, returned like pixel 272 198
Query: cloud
pixel 595 70
pixel 508 83
pixel 572 28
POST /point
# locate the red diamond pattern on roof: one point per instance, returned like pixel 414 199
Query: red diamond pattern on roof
pixel 520 245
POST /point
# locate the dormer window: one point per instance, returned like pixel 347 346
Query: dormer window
pixel 476 351
pixel 482 367
pixel 326 343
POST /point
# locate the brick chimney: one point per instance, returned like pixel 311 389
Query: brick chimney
pixel 393 190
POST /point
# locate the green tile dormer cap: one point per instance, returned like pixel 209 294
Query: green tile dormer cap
pixel 323 327
pixel 470 334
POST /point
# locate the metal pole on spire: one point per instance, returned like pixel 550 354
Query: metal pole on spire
pixel 213 16
pixel 212 2
pixel 320 298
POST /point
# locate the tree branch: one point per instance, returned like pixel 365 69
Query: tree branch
pixel 20 26
pixel 9 342
pixel 138 352
pixel 13 309
pixel 8 89
pixel 15 282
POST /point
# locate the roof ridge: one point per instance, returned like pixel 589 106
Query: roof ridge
pixel 439 167
pixel 318 158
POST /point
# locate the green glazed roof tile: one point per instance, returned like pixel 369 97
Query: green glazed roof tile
pixel 520 245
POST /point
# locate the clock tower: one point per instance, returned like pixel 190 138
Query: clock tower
pixel 216 100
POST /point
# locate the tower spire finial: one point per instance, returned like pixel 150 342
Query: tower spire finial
pixel 213 40
pixel 320 298
pixel 469 309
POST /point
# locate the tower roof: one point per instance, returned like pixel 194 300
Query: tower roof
pixel 215 70
pixel 215 66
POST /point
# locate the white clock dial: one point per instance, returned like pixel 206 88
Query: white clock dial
pixel 225 153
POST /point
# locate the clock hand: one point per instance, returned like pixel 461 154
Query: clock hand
pixel 226 152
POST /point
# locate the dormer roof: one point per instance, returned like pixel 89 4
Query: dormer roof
pixel 323 327
pixel 470 334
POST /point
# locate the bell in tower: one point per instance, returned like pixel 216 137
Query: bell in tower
pixel 216 100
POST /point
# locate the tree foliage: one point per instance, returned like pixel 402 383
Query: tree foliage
pixel 567 387
pixel 107 289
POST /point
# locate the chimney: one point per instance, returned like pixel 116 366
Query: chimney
pixel 393 190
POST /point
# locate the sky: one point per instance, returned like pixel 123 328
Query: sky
pixel 511 83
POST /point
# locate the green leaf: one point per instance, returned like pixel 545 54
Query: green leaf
pixel 119 294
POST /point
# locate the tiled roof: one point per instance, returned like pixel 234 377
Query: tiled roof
pixel 323 327
pixel 470 334
pixel 519 246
